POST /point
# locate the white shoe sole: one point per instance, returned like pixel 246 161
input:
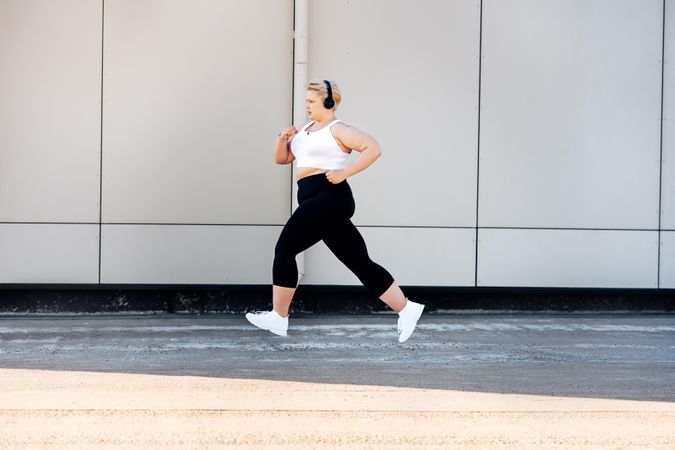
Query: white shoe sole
pixel 276 331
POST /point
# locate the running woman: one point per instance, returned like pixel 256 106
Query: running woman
pixel 326 205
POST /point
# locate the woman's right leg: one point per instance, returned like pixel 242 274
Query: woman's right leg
pixel 302 230
pixel 281 299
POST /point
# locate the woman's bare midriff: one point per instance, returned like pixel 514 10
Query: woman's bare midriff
pixel 302 172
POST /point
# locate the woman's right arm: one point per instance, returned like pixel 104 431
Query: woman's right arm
pixel 282 149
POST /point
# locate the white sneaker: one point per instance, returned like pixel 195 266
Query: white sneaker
pixel 407 319
pixel 269 320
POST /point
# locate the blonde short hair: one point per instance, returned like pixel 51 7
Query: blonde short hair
pixel 320 87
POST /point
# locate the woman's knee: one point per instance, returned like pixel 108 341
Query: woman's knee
pixel 284 258
pixel 284 253
pixel 279 248
pixel 287 238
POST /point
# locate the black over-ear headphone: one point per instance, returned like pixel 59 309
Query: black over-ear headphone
pixel 328 103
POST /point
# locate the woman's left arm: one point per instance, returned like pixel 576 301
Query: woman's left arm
pixel 357 140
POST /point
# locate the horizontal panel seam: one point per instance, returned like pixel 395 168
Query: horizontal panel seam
pixel 358 225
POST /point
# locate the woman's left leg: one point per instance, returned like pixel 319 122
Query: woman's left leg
pixel 345 241
pixel 394 297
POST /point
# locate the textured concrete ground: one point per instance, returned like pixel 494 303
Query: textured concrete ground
pixel 461 381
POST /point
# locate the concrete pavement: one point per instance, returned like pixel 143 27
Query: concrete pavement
pixel 461 381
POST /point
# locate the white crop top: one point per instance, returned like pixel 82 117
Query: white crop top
pixel 318 148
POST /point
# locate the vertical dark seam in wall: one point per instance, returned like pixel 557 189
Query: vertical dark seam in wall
pixel 663 55
pixel 480 60
pixel 100 201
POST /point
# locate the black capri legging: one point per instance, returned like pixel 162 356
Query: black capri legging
pixel 324 213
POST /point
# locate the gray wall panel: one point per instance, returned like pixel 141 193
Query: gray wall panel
pixel 568 258
pixel 668 175
pixel 570 108
pixel 177 254
pixel 408 72
pixel 194 96
pixel 50 91
pixel 667 260
pixel 194 93
pixel 48 253
pixel 413 256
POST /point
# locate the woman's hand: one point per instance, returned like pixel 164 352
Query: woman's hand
pixel 287 133
pixel 282 150
pixel 336 176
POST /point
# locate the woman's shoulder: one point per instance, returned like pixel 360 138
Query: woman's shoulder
pixel 338 124
pixel 340 127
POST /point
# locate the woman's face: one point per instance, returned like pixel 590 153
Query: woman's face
pixel 314 106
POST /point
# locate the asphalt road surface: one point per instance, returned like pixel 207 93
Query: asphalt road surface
pixel 461 381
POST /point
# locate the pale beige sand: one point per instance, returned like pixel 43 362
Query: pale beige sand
pixel 83 410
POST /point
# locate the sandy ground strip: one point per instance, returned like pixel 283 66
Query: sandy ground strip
pixel 43 409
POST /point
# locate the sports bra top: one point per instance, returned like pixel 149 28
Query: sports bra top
pixel 318 148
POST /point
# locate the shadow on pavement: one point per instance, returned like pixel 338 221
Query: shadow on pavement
pixel 612 356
